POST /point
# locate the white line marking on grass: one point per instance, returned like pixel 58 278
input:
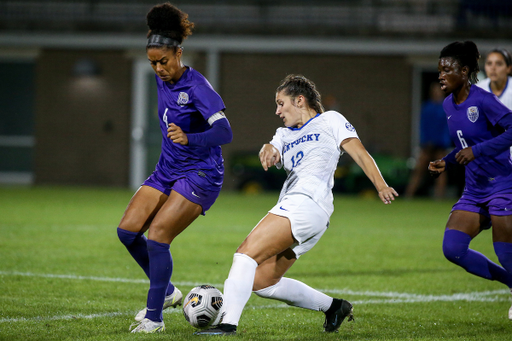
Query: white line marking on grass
pixel 94 278
pixel 62 317
pixel 397 297
pixel 79 316
pixel 393 297
pixel 426 298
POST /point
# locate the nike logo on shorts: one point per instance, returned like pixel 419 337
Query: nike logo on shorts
pixel 194 194
pixel 284 209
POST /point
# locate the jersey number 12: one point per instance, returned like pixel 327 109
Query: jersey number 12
pixel 297 159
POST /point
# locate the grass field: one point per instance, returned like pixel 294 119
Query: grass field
pixel 65 276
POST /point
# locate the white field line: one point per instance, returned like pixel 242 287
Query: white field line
pixel 94 278
pixel 61 317
pixel 393 295
pixel 388 297
pixel 81 316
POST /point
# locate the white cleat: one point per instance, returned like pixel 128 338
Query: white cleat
pixel 510 314
pixel 172 300
pixel 148 327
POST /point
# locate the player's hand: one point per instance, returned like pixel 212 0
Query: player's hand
pixel 435 168
pixel 269 156
pixel 176 134
pixel 465 156
pixel 387 195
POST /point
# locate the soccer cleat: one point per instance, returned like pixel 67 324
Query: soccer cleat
pixel 510 314
pixel 148 327
pixel 334 319
pixel 172 300
pixel 221 329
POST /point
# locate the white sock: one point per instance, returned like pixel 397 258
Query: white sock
pixel 297 294
pixel 238 287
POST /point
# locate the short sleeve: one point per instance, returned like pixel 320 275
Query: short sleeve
pixel 342 129
pixel 278 143
pixel 207 101
pixel 494 109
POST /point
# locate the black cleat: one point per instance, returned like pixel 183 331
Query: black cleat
pixel 221 329
pixel 336 314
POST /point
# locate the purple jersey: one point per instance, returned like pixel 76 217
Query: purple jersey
pixel 472 122
pixel 188 104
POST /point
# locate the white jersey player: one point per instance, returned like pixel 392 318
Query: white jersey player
pixel 498 67
pixel 310 156
pixel 309 148
pixel 505 96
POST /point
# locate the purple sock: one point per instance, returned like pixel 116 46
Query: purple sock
pixel 136 244
pixel 160 270
pixel 504 252
pixel 456 250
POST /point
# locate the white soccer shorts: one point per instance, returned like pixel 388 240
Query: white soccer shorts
pixel 307 219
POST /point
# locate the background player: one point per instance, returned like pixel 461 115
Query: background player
pixel 189 174
pixel 308 148
pixel 476 119
pixel 434 142
pixel 498 67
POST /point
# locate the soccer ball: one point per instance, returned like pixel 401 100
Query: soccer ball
pixel 203 306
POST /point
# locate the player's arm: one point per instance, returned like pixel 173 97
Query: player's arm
pixel 269 156
pixel 497 144
pixel 357 151
pixel 219 133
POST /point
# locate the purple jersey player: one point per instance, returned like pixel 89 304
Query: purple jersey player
pixel 189 173
pixel 481 128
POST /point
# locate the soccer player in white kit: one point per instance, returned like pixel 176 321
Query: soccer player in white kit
pixel 498 68
pixel 308 148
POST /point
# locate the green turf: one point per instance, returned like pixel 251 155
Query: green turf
pixel 65 276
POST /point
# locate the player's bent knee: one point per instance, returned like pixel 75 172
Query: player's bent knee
pixel 261 282
pixel 267 292
pixel 454 250
pixel 126 237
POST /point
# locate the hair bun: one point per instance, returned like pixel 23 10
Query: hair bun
pixel 164 17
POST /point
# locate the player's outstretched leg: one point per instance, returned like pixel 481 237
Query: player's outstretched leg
pixel 298 294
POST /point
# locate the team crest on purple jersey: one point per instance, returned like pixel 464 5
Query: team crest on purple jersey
pixel 182 99
pixel 350 127
pixel 473 114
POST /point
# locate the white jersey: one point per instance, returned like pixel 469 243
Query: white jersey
pixel 506 95
pixel 310 156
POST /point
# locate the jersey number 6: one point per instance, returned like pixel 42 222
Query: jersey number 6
pixel 461 139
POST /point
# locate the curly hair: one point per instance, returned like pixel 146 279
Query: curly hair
pixel 466 54
pixel 296 85
pixel 169 21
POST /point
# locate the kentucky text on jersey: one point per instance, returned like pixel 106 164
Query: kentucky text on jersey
pixel 305 138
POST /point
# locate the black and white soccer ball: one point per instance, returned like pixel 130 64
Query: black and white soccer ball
pixel 202 306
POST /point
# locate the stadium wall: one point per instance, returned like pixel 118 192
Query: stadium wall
pixel 82 120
